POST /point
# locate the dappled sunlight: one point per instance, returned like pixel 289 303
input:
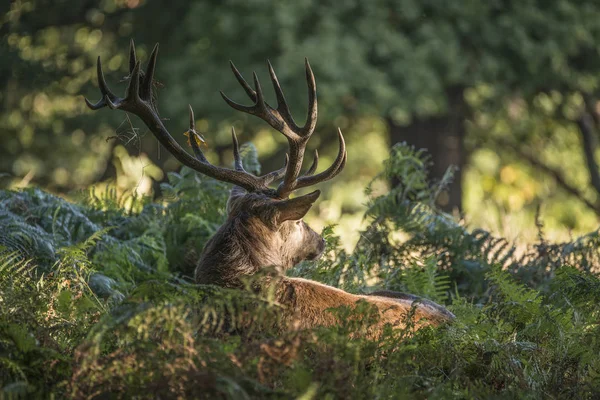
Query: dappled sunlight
pixel 134 174
pixel 504 188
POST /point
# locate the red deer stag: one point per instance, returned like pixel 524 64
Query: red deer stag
pixel 264 226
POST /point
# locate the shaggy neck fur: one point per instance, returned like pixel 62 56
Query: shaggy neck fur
pixel 241 247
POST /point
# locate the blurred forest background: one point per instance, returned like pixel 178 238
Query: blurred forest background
pixel 507 90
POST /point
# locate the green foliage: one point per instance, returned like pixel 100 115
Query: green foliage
pixel 96 301
pixel 399 58
pixel 392 61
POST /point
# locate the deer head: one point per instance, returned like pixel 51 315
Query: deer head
pixel 264 225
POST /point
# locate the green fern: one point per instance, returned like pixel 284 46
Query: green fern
pixel 96 300
pixel 425 280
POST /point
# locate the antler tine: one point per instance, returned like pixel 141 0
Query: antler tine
pixel 132 92
pixel 95 106
pixel 298 146
pixel 132 56
pixel 282 106
pixel 236 106
pixel 107 96
pixel 237 159
pixel 311 118
pixel 314 165
pixel 146 90
pixel 260 105
pixel 335 168
pixel 102 82
pixel 276 175
pixel 192 131
pixel 249 91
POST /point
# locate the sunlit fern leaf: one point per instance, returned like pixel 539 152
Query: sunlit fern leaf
pixel 12 264
pixel 517 302
pixel 422 280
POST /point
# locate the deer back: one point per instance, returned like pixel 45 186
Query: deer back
pixel 310 304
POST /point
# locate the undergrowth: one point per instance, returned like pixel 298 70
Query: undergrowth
pixel 96 301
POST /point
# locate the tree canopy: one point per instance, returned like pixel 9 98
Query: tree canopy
pixel 398 62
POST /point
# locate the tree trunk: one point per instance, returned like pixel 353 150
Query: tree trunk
pixel 443 137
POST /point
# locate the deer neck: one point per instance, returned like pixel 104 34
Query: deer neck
pixel 240 248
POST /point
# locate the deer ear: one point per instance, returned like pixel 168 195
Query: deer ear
pixel 296 208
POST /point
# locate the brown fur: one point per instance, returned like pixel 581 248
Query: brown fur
pixel 254 237
pixel 310 305
pixel 258 235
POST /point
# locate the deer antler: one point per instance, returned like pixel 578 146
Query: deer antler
pixel 281 119
pixel 139 100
